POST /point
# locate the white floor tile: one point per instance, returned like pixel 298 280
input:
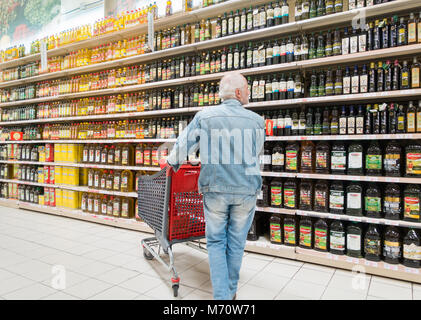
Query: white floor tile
pixel 15 283
pixel 119 259
pixel 250 292
pixel 143 297
pixel 199 295
pixel 117 275
pixel 350 282
pixel 313 276
pixel 88 288
pixel 269 281
pixel 94 269
pixel 115 293
pixel 304 289
pixel 60 296
pixel 142 283
pixel 280 269
pixel 4 274
pixel 338 294
pixel 253 263
pixel 99 254
pixel 416 294
pixel 33 292
pixel 374 298
pixel 71 279
pixel 386 291
pixel 165 292
pixel 392 282
pixel 318 268
pixel 288 296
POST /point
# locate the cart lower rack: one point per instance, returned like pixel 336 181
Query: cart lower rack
pixel 169 202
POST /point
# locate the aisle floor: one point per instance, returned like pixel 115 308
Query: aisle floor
pixel 101 262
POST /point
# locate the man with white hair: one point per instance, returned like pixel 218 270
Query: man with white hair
pixel 230 139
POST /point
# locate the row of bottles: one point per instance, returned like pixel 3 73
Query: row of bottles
pixel 390 201
pixel 359 240
pixel 112 180
pixel 383 118
pixel 353 158
pixel 21 152
pixel 20 72
pixel 119 207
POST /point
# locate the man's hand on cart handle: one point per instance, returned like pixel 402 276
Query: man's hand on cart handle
pixel 163 163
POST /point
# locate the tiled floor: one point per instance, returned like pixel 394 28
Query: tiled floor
pixel 49 257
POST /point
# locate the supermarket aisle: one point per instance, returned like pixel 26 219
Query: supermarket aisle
pixel 102 262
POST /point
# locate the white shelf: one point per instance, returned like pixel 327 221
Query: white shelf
pixel 276 210
pixel 342 177
pixel 82 165
pixel 398 136
pixel 74 188
pixel 91 141
pixel 344 217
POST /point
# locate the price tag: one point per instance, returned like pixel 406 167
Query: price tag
pixel 411 270
pixel 302 213
pixel 355 219
pixel 371 263
pixel 353 260
pixel 391 223
pixel 371 220
pixel 303 138
pixel 332 256
pixel 392 179
pixel 390 267
pixel 260 244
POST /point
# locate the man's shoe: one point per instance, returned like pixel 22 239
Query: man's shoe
pixel 235 297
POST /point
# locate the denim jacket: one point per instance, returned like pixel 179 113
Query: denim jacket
pixel 230 139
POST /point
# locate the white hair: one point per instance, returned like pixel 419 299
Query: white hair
pixel 229 83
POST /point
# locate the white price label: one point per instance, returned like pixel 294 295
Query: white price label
pixel 353 260
pixel 335 216
pixel 391 223
pixel 371 263
pixel 411 270
pixel 370 220
pixel 392 179
pixel 390 267
pixel 355 219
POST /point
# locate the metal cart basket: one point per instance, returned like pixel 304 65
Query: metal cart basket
pixel 169 202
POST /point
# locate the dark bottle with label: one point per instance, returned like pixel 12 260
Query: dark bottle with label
pixel 338 158
pixel 306 233
pixel 266 158
pixel 412 203
pixel 263 195
pixel 337 238
pixel 402 33
pixel 334 122
pixel 317 122
pixel 275 228
pixel 322 157
pixel 392 248
pixel 413 159
pixel 354 199
pixel 412 249
pixel 321 236
pixel 321 196
pixel 373 201
pixel 372 243
pixel 354 240
pixel 309 131
pixel 306 195
pixel 392 202
pixel 405 79
pixel 337 198
pixel 401 120
pixel 373 159
pixel 278 158
pixel 276 193
pixel 392 159
pixel 292 156
pixel 326 122
pixel 355 159
pixel 396 75
pixel 307 157
pixel 290 194
pixel 290 231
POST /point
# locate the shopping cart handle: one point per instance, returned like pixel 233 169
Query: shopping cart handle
pixel 163 163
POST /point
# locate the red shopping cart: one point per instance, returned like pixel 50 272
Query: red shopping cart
pixel 169 202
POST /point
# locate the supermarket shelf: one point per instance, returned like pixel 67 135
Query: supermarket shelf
pixel 92 141
pixel 344 262
pixel 357 97
pixel 306 64
pixel 342 177
pixel 387 222
pixel 130 224
pixel 264 246
pixel 81 165
pixel 154 113
pixel 276 210
pixel 399 136
pixel 74 188
pixel 213 11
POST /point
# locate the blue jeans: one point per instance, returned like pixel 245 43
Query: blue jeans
pixel 228 220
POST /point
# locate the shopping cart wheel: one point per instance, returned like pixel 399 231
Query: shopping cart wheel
pixel 175 289
pixel 147 254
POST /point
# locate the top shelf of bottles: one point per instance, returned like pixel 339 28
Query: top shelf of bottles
pixel 215 10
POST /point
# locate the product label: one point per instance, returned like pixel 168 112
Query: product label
pixel 353 242
pixel 392 205
pixel 306 159
pixel 353 200
pixel 413 163
pixel 392 162
pixel 336 200
pixel 289 198
pixel 373 204
pixel 275 232
pixel 291 162
pixel 265 159
pixel 372 246
pixel 412 251
pixel 289 234
pixel 321 160
pixel 320 239
pixel 337 240
pixel 373 161
pixel 305 197
pixel 412 207
pixel 276 196
pixel 278 159
pixel 320 198
pixel 338 160
pixel 355 160
pixel 305 236
pixel 392 249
